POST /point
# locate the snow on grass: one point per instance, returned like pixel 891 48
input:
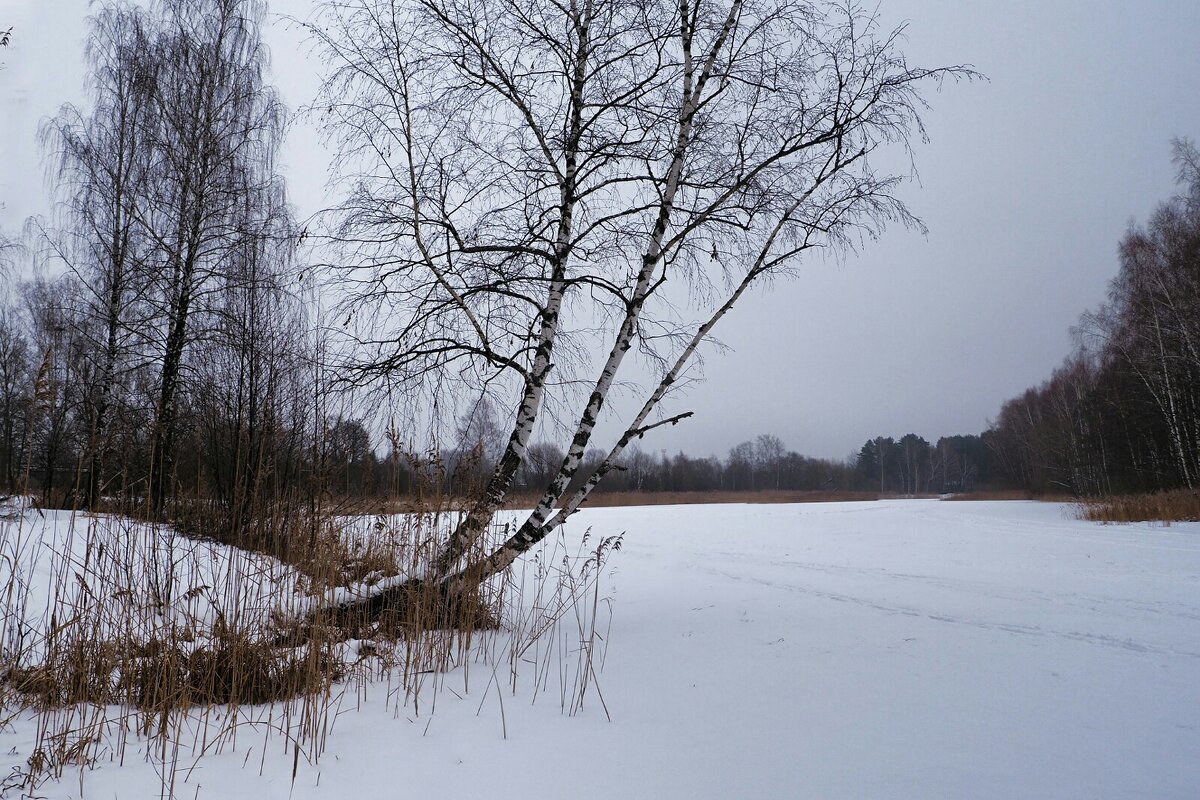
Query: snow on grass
pixel 130 577
pixel 891 649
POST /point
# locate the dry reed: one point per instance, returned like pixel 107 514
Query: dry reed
pixel 1177 505
pixel 118 633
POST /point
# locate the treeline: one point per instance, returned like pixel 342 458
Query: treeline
pixel 172 355
pixel 907 466
pixel 761 464
pixel 911 465
pixel 1122 413
pixel 356 469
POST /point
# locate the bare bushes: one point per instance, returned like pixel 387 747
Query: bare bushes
pixel 1179 505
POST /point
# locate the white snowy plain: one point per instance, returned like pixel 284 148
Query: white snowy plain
pixel 896 649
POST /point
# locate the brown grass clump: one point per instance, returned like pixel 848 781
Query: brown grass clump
pixel 81 672
pixel 234 670
pixel 1177 505
pixel 408 610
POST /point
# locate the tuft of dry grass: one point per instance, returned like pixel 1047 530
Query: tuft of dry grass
pixel 234 670
pixel 1177 505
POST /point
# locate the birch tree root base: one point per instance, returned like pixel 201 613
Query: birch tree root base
pixel 406 610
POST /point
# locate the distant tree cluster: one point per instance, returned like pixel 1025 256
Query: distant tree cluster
pixel 911 465
pixel 907 466
pixel 761 464
pixel 1122 413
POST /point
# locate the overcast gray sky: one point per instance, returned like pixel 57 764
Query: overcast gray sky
pixel 1026 185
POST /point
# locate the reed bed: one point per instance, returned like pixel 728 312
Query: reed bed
pixel 122 639
pixel 1178 505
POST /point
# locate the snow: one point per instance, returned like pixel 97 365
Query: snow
pixel 148 574
pixel 904 649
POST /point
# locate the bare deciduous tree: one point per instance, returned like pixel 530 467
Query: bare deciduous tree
pixel 103 163
pixel 536 189
pixel 15 380
pixel 176 222
pixel 215 132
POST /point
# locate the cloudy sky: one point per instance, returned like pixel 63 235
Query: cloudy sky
pixel 1026 185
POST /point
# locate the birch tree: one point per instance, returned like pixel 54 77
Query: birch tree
pixel 537 189
pixel 15 380
pixel 103 161
pixel 215 133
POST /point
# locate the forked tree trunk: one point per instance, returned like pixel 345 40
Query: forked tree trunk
pixel 744 134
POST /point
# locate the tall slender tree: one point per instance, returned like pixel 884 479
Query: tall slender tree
pixel 103 178
pixel 216 130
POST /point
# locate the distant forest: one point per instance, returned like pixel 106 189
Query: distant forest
pixel 910 465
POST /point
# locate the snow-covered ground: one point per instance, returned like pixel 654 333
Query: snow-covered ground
pixel 908 649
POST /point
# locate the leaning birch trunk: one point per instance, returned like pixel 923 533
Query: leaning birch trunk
pixel 537 527
pixel 480 516
pixel 667 129
pixel 693 88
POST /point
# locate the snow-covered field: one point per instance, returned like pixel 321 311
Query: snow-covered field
pixel 908 649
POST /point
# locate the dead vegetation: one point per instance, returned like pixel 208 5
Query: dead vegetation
pixel 234 670
pixel 121 635
pixel 999 494
pixel 1178 505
